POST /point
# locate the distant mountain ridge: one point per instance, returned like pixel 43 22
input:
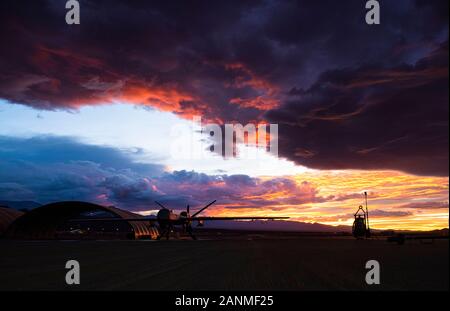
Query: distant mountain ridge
pixel 20 205
pixel 275 225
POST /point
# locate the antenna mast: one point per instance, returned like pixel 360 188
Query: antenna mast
pixel 367 215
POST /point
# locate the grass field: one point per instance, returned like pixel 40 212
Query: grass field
pixel 230 264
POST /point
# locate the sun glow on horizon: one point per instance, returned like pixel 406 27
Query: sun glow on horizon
pixel 397 200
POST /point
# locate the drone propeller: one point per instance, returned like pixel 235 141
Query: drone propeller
pixel 204 208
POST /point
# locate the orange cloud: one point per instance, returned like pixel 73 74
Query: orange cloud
pixel 244 77
pixel 259 102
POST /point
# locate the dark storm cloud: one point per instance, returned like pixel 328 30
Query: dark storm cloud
pixel 372 118
pixel 235 60
pixel 47 169
pixel 42 150
pixel 171 55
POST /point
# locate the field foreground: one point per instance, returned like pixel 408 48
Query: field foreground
pixel 239 264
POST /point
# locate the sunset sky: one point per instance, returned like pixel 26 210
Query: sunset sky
pixel 87 112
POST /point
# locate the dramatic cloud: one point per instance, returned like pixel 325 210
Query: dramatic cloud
pixel 425 205
pixel 238 191
pixel 47 169
pixel 346 94
pixel 372 118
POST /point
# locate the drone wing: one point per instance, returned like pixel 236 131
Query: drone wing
pixel 112 219
pixel 205 218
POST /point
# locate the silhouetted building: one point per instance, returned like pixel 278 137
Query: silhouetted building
pixel 7 217
pixel 70 220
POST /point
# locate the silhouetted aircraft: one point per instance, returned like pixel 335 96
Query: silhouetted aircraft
pixel 167 220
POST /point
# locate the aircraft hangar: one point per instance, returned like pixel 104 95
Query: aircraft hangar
pixel 71 220
pixel 7 217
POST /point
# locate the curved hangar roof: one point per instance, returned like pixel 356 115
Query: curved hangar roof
pixel 7 216
pixel 43 222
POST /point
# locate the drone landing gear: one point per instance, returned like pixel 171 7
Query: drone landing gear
pixel 189 231
pixel 165 232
